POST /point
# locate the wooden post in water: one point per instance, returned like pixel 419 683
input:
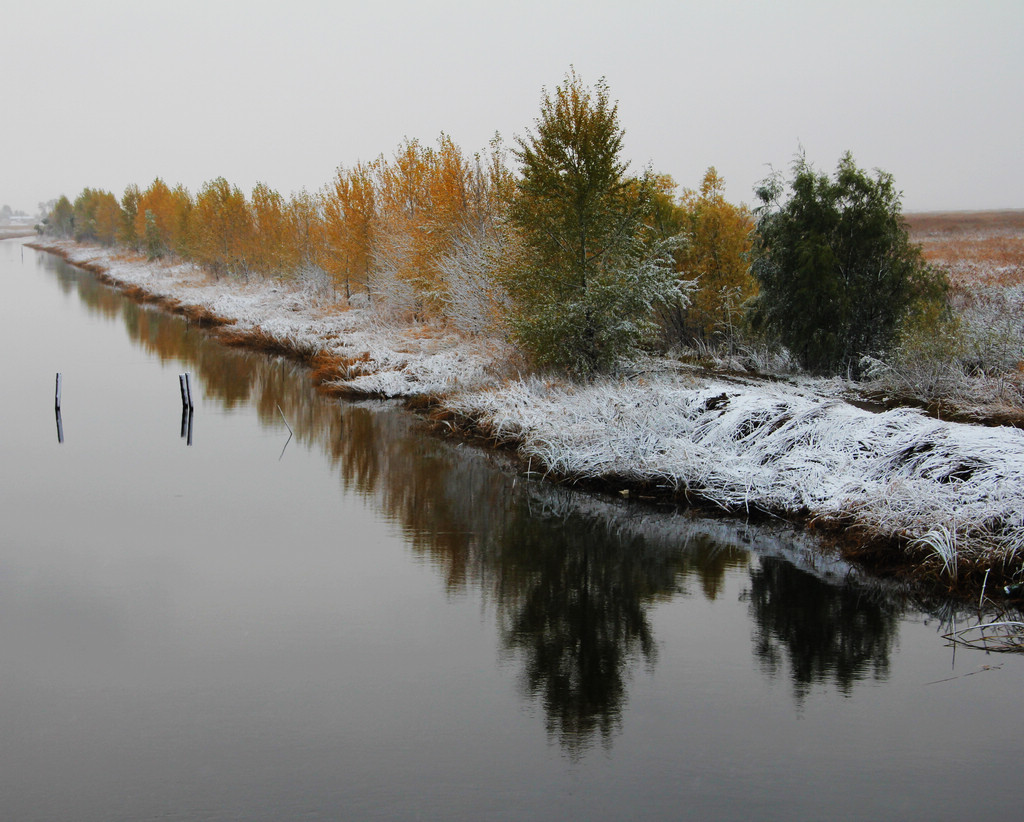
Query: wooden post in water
pixel 185 383
pixel 56 396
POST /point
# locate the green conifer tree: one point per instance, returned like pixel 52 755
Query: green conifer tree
pixel 585 283
pixel 61 220
pixel 153 240
pixel 836 268
pixel 130 208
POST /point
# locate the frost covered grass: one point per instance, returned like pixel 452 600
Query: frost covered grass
pixel 305 321
pixel 952 494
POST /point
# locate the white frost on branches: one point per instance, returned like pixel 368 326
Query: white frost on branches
pixel 473 301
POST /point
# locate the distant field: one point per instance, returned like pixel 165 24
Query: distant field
pixel 8 231
pixel 974 246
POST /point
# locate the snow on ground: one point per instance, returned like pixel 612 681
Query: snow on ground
pixel 956 490
pixel 396 361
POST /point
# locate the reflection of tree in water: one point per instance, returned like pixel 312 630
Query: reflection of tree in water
pixel 229 376
pixel 578 617
pixel 828 633
pixel 572 577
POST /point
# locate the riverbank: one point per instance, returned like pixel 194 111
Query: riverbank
pixel 905 491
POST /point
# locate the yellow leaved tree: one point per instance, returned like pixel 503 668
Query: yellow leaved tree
pixel 715 257
pixel 271 253
pixel 222 229
pixel 161 219
pixel 349 205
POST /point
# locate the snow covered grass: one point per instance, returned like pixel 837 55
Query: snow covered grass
pixel 952 493
pixel 304 320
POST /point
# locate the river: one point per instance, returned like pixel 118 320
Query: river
pixel 311 609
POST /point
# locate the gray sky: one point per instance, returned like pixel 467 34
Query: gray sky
pixel 107 93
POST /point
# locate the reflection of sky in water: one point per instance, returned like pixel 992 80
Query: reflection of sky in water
pixel 407 626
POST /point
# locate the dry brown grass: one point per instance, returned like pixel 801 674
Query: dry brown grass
pixel 975 247
pixel 201 316
pixel 257 339
pixel 971 368
pixel 964 222
pixel 330 371
pixel 329 368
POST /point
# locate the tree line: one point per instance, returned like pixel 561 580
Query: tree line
pixel 577 260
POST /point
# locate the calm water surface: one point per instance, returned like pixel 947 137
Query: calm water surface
pixel 364 622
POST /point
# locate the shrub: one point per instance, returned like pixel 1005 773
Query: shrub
pixel 837 271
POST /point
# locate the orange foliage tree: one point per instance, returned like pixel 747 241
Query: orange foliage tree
pixel 393 227
pixel 479 248
pixel 400 279
pixel 349 206
pixel 716 258
pixel 432 202
pixel 271 251
pixel 221 229
pixel 305 231
pixel 162 219
pixel 97 216
pixel 109 217
pixel 420 231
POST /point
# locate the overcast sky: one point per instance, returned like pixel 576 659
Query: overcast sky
pixel 106 93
